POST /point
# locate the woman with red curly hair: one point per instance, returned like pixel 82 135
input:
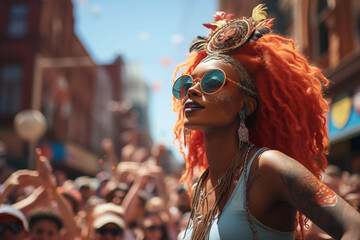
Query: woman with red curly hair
pixel 251 114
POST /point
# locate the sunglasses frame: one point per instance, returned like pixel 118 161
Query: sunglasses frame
pixel 194 82
pixel 114 232
pixel 154 227
pixel 9 226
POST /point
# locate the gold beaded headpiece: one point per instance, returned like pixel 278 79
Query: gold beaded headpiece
pixel 230 34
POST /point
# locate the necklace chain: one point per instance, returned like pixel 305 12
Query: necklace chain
pixel 202 197
pixel 201 221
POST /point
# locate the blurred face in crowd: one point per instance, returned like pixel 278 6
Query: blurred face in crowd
pixel 44 230
pixel 153 228
pixel 118 196
pixel 60 177
pixel 11 228
pixel 86 192
pixel 109 231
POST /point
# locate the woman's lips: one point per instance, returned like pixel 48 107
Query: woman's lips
pixel 192 106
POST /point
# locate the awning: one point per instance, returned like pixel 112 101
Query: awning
pixel 344 117
pixel 81 159
pixel 72 155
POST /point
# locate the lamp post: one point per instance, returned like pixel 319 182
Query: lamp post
pixel 30 126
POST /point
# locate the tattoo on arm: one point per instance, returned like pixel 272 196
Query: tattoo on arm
pixel 315 200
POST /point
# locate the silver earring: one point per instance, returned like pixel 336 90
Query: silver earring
pixel 243 131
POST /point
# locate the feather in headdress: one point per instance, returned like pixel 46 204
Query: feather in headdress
pixel 220 19
pixel 259 14
pixel 223 16
pixel 268 23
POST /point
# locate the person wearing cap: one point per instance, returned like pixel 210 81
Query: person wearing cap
pixel 109 226
pixel 45 224
pixel 82 185
pixel 13 224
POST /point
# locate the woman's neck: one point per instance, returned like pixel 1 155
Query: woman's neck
pixel 220 146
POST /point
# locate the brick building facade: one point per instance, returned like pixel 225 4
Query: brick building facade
pixel 328 33
pixel 43 65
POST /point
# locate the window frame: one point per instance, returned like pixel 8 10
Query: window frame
pixel 11 84
pixel 18 20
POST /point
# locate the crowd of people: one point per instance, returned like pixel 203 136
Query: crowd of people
pixel 345 185
pixel 136 200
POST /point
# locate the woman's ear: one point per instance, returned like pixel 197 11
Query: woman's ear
pixel 248 107
pixel 252 104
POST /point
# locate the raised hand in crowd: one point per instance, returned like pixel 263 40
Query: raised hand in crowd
pixel 47 179
pixel 141 188
pixel 44 193
pixel 17 181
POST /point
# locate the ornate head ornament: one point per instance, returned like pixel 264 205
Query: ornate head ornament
pixel 231 33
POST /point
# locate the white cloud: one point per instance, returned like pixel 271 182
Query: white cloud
pixel 144 36
pixel 96 9
pixel 177 39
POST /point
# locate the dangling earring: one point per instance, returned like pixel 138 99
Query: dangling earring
pixel 187 136
pixel 243 130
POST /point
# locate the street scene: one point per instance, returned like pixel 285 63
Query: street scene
pixel 105 132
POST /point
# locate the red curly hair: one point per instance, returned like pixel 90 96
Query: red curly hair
pixel 290 114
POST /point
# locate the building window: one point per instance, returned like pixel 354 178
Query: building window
pixel 323 38
pixel 322 5
pixel 322 10
pixel 18 20
pixel 10 89
pixel 356 5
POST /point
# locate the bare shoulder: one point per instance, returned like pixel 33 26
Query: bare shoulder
pixel 282 172
pixel 265 173
pixel 273 160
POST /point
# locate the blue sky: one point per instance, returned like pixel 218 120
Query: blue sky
pixel 154 33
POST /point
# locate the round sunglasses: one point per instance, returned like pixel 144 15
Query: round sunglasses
pixel 210 83
pixel 112 231
pixel 154 227
pixel 15 228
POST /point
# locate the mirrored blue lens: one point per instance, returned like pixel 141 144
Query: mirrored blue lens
pixel 212 81
pixel 181 86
